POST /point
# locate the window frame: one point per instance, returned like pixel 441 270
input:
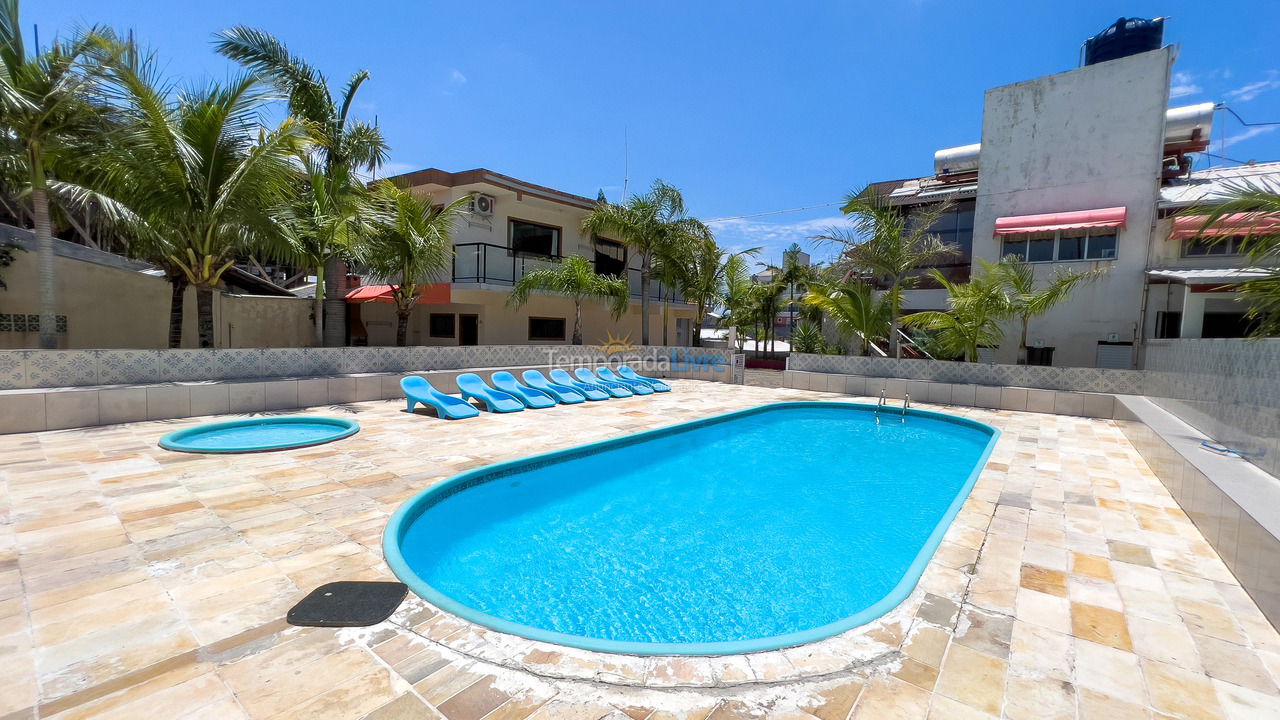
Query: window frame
pixel 511 238
pixel 535 318
pixel 453 325
pixel 1025 239
pixel 1233 244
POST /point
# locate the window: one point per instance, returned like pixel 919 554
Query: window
pixel 442 325
pixel 546 328
pixel 533 239
pixel 611 257
pixel 1051 247
pixel 1199 247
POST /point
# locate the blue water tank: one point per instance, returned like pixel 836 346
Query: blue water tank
pixel 1128 36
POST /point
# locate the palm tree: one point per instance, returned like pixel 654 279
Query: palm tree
pixel 738 297
pixel 792 273
pixel 47 119
pixel 767 305
pixel 854 308
pixel 649 224
pixel 977 308
pixel 709 277
pixel 1261 246
pixel 345 145
pixel 1017 278
pixel 410 245
pixel 327 224
pixel 202 174
pixel 889 245
pixel 576 279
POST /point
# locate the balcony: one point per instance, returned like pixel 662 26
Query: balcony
pixel 499 265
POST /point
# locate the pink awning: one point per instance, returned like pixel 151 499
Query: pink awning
pixel 431 294
pixel 1049 222
pixel 1187 226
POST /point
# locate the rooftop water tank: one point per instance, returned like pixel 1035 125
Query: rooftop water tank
pixel 1128 36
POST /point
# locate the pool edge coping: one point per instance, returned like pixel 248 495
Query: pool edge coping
pixel 412 508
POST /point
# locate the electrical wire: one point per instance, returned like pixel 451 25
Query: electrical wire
pixel 1227 107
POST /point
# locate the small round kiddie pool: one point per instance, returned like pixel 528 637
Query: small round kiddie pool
pixel 244 436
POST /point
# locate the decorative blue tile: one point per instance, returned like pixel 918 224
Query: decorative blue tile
pixel 61 368
pixel 128 367
pixel 286 362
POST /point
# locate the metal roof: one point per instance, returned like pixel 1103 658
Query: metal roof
pixel 1209 185
pixel 1210 275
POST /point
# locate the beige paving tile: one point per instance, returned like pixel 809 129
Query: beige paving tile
pixel 973 678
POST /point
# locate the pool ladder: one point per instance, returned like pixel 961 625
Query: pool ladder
pixel 884 403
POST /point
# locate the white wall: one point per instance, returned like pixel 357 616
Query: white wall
pixel 1084 139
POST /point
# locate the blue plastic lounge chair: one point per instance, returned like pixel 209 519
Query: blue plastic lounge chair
pixel 617 390
pixel 628 374
pixel 418 391
pixel 593 391
pixel 507 383
pixel 638 387
pixel 473 386
pixel 562 393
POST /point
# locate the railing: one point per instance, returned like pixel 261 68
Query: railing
pixel 499 265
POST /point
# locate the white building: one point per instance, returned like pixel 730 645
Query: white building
pixel 1081 170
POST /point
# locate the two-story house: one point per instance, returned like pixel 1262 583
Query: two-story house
pixel 510 228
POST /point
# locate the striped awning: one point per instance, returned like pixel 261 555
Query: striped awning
pixel 1187 226
pixel 1051 222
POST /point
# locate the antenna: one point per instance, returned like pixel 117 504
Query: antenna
pixel 626 165
pixel 35 29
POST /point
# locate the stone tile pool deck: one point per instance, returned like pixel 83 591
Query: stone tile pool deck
pixel 140 583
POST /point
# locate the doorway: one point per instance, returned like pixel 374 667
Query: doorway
pixel 468 329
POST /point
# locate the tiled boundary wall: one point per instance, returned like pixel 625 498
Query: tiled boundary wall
pixel 167 384
pixel 1061 402
pixel 1226 389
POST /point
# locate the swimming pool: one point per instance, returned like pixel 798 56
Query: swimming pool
pixel 760 529
pixel 259 434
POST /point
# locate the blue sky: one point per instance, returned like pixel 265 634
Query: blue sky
pixel 749 107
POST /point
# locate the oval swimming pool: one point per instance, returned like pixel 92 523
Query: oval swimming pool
pixel 755 530
pixel 259 434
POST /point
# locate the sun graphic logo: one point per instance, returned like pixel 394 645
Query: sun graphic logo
pixel 615 345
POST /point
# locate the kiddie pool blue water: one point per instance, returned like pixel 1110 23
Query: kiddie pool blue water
pixel 760 529
pixel 259 434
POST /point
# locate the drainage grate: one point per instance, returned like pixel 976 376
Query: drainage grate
pixel 348 603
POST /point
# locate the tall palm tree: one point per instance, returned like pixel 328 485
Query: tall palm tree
pixel 345 145
pixel 977 308
pixel 1261 246
pixel 327 224
pixel 47 119
pixel 793 273
pixel 890 245
pixel 738 300
pixel 574 278
pixel 855 309
pixel 1017 278
pixel 410 246
pixel 203 174
pixel 768 303
pixel 709 273
pixel 649 224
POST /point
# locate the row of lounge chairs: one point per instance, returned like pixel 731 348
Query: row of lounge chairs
pixel 510 395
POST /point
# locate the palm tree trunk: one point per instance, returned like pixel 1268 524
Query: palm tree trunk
pixel 318 307
pixel 577 321
pixel 665 341
pixel 335 308
pixel 644 299
pixel 1022 341
pixel 894 312
pixel 45 257
pixel 177 299
pixel 204 315
pixel 402 326
pixel 696 335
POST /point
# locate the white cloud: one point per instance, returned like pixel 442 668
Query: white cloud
pixel 1248 133
pixel 1254 89
pixel 456 77
pixel 1183 85
pixel 774 236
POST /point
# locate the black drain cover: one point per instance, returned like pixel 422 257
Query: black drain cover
pixel 348 603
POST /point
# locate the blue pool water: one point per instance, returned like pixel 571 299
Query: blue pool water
pixel 758 530
pixel 257 435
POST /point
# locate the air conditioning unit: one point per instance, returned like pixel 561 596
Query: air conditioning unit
pixel 481 204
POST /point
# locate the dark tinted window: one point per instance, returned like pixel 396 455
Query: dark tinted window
pixel 1040 249
pixel 1071 248
pixel 546 328
pixel 1101 247
pixel 611 257
pixel 442 325
pixel 533 239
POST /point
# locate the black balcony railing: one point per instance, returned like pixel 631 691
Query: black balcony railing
pixel 499 265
